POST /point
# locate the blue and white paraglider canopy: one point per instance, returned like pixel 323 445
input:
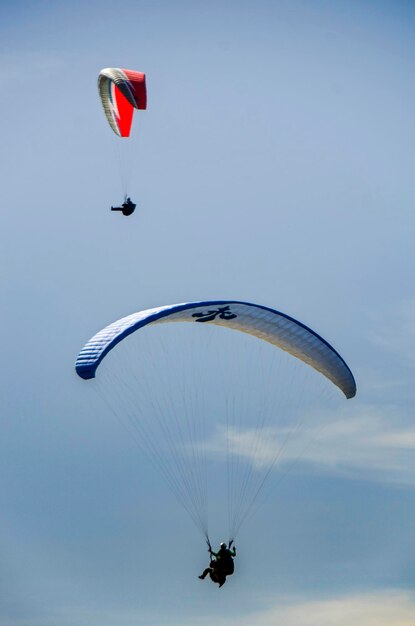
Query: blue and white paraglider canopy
pixel 267 324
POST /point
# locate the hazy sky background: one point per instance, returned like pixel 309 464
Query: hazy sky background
pixel 274 164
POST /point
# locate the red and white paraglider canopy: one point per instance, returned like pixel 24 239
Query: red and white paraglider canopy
pixel 121 91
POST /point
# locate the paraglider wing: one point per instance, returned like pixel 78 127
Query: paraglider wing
pixel 121 91
pixel 262 322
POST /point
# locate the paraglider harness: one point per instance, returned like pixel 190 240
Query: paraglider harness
pixel 220 568
pixel 127 207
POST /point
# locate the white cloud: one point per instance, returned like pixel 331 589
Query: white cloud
pixel 383 608
pixel 370 440
pixel 368 443
pixel 389 608
pixel 260 447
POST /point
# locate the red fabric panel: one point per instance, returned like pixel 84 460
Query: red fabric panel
pixel 125 113
pixel 138 86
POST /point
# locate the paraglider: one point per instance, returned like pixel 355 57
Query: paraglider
pixel 127 207
pixel 221 565
pixel 180 435
pixel 122 92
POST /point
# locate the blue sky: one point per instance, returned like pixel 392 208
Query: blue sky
pixel 274 164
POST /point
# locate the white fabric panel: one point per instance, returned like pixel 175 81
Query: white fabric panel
pixel 119 78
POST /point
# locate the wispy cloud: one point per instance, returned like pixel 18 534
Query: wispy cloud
pixel 389 608
pixel 367 443
pixel 383 608
pixel 380 441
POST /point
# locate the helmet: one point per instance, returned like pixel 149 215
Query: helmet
pixel 223 544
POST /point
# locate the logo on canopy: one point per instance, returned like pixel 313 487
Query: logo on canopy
pixel 223 312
